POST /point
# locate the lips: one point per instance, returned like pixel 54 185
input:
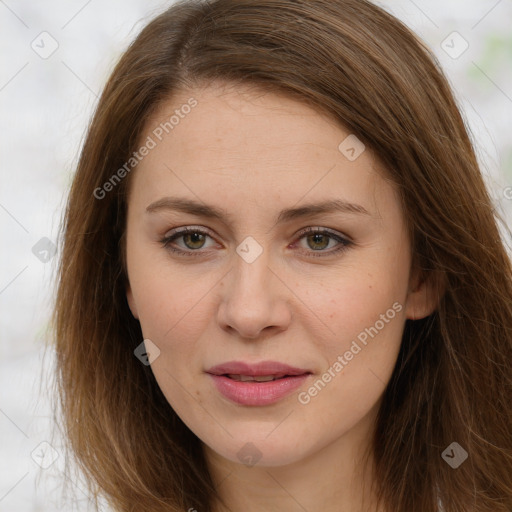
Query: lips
pixel 257 384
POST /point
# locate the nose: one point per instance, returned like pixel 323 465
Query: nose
pixel 255 302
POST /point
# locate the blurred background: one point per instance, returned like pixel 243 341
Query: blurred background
pixel 56 57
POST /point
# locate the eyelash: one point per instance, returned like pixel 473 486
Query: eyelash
pixel 344 243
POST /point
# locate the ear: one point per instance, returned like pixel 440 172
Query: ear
pixel 425 292
pixel 131 301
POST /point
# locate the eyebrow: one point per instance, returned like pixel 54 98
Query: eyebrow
pixel 203 210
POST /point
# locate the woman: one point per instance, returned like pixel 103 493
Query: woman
pixel 282 284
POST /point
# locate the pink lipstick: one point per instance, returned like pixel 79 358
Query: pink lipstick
pixel 258 384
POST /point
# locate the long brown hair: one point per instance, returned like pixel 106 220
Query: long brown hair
pixel 452 380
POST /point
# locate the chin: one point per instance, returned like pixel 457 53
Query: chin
pixel 260 452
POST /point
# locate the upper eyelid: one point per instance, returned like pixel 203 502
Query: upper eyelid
pixel 183 230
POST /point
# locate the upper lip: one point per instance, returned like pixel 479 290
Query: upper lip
pixel 256 369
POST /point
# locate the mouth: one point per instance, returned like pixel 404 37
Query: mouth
pixel 258 384
pixel 269 370
pixel 256 378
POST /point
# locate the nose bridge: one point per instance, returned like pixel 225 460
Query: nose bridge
pixel 252 298
pixel 251 273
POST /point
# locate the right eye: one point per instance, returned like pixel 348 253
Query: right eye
pixel 193 240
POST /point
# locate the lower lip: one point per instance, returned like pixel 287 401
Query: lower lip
pixel 257 393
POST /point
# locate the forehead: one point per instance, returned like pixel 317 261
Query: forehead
pixel 229 118
pixel 263 145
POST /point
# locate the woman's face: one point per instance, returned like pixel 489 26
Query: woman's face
pixel 249 173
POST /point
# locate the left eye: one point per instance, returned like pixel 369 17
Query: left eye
pixel 317 240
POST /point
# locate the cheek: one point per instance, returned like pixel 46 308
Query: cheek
pixel 362 354
pixel 369 326
pixel 171 310
pixel 355 299
pixel 165 295
pixel 173 314
pixel 367 317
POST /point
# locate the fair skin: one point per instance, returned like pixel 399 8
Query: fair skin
pixel 253 154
